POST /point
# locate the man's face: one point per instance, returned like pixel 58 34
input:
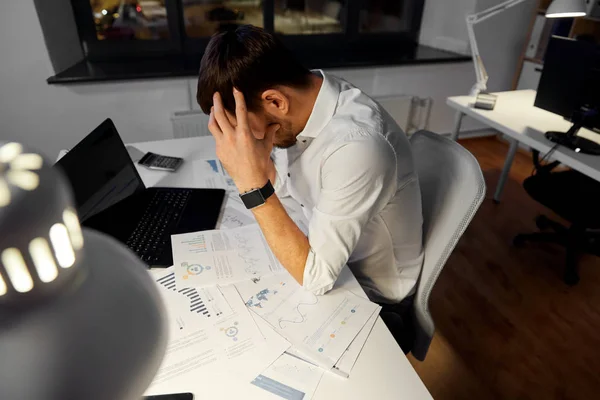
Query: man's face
pixel 284 137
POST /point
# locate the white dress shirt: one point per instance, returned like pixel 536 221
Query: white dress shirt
pixel 352 173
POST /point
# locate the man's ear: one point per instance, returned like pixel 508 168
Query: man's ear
pixel 276 102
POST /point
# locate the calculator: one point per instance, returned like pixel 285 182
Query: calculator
pixel 161 163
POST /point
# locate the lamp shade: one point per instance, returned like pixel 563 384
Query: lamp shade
pixel 80 317
pixel 566 9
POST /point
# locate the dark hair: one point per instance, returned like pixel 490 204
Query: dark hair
pixel 250 59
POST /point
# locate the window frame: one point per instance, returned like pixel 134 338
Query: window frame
pixel 109 50
pixel 347 48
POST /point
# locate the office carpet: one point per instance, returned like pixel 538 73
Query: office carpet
pixel 507 326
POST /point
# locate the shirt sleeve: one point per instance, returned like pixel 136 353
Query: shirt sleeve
pixel 280 161
pixel 357 181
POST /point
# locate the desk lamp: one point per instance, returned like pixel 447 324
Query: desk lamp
pixel 557 9
pixel 80 317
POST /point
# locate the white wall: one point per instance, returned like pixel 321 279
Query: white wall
pixel 444 24
pixel 52 117
pixel 501 40
pixel 55 117
pixel 437 81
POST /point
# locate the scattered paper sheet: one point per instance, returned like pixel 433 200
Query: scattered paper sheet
pixel 322 327
pixel 224 349
pixel 232 217
pixel 235 214
pixel 346 362
pixel 245 356
pixel 348 359
pixel 206 302
pixel 190 349
pixel 290 378
pixel 222 257
pixel 209 173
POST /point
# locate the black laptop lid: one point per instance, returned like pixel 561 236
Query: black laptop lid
pixel 100 171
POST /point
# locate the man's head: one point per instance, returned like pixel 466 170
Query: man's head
pixel 258 65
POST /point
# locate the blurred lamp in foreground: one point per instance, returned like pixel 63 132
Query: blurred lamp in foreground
pixel 80 317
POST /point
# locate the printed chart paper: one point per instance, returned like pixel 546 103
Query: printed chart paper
pixel 205 352
pixel 346 362
pixel 322 327
pixel 235 214
pixel 207 302
pixel 290 378
pixel 222 257
pixel 209 173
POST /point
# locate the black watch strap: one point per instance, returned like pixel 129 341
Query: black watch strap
pixel 257 197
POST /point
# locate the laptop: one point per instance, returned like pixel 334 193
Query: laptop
pixel 111 198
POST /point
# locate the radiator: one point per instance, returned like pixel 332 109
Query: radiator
pixel 189 124
pixel 410 113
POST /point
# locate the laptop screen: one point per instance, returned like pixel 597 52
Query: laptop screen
pixel 100 171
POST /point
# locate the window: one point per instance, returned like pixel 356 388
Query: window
pixel 378 16
pixel 309 17
pixel 203 18
pixel 112 30
pixel 321 32
pixel 130 19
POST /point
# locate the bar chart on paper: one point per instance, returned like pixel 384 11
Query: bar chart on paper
pixel 210 173
pixel 208 302
pixel 196 302
pixel 168 281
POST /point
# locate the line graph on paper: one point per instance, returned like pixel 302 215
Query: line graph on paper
pixel 233 216
pixel 297 316
pixel 283 306
pixel 321 327
pixel 245 252
pixel 232 220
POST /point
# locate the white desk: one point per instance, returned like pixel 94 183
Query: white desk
pixel 381 372
pixel 517 118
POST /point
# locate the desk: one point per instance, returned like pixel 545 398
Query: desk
pixel 521 122
pixel 381 372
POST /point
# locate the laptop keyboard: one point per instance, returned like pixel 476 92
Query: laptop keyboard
pixel 150 238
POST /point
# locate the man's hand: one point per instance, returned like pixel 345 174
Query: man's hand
pixel 245 157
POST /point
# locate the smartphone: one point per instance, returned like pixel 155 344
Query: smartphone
pixel 174 396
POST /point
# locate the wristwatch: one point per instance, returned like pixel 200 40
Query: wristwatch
pixel 257 197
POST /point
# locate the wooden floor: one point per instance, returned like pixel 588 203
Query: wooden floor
pixel 507 326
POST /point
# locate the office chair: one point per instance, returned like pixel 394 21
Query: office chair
pixel 574 197
pixel 452 189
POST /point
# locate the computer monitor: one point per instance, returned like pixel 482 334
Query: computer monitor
pixel 570 86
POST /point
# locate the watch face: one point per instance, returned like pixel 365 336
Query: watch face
pixel 253 199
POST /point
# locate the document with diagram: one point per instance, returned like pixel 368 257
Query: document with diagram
pixel 322 327
pixel 210 173
pixel 289 378
pixel 208 351
pixel 222 257
pixel 235 214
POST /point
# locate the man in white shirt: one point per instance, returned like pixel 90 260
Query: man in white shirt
pixel 338 154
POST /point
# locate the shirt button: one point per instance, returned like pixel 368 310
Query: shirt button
pixel 301 205
pixel 289 176
pixel 304 141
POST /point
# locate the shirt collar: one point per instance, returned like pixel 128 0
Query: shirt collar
pixel 323 108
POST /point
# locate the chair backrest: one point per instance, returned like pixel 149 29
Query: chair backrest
pixel 452 189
